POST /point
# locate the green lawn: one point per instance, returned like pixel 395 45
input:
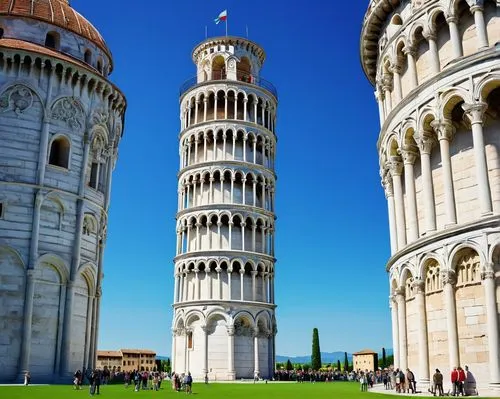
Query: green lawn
pixel 339 390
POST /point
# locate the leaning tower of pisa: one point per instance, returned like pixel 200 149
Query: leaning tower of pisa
pixel 224 324
pixel 435 66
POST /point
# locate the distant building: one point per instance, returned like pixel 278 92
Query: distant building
pixel 127 360
pixel 138 359
pixel 111 360
pixel 365 360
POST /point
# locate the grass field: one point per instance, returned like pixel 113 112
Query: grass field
pixel 334 390
pixel 339 390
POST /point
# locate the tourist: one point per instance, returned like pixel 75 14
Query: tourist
pixel 437 380
pixel 27 378
pixel 97 381
pixel 137 381
pixel 155 382
pixel 410 378
pixel 188 382
pixel 461 381
pixel 77 382
pixel 454 381
pixel 126 379
pixel 362 382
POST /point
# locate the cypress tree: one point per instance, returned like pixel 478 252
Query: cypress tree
pixel 338 364
pixel 384 359
pixel 316 353
pixel 289 365
pixel 346 362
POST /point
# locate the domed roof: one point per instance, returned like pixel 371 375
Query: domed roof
pixel 55 12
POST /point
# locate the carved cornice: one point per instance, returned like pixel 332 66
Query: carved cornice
pixel 444 129
pixel 425 141
pixel 448 277
pixel 418 285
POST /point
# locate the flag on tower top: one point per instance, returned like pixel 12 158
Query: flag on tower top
pixel 222 17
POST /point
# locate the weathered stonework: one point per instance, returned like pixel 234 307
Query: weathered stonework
pixel 224 324
pixel 54 192
pixel 435 68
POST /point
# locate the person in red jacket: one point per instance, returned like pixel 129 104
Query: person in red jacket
pixel 461 381
pixel 454 380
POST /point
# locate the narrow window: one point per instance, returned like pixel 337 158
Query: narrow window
pixel 190 340
pixel 52 40
pixel 1 33
pixel 59 152
pixel 88 56
pixel 93 174
pixel 1 210
pixel 99 66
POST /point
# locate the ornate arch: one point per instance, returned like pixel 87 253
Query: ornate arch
pixel 69 110
pixel 57 262
pixel 18 97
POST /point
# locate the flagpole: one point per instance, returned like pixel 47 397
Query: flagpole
pixel 226 26
pixel 247 31
pixel 206 32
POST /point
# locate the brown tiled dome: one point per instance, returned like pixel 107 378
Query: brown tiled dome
pixel 56 12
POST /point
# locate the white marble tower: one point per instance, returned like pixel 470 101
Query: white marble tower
pixel 60 125
pixel 435 68
pixel 224 324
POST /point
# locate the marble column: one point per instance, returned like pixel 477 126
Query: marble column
pixel 425 141
pixel 431 38
pixel 24 362
pixel 379 95
pixel 481 33
pixel 396 169
pixel 398 91
pixel 410 53
pixel 448 277
pixel 409 155
pixel 204 349
pixel 395 329
pixel 455 36
pixel 488 280
pixel 230 353
pixel 475 113
pixel 403 342
pixel 445 132
pixel 256 370
pixel 389 195
pixel 423 352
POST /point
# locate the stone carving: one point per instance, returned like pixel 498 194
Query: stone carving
pixel 69 110
pixel 448 277
pixel 416 4
pixel 18 98
pixel 99 117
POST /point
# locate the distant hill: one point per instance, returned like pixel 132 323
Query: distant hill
pixel 326 357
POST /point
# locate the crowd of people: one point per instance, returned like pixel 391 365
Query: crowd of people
pixel 462 381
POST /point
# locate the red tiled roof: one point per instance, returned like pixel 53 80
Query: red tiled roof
pixel 139 351
pixel 365 352
pixel 109 353
pixel 56 12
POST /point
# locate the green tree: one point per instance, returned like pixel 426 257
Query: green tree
pixel 289 365
pixel 316 353
pixel 384 359
pixel 346 362
pixel 338 364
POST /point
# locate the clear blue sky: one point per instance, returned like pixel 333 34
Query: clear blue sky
pixel 332 236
